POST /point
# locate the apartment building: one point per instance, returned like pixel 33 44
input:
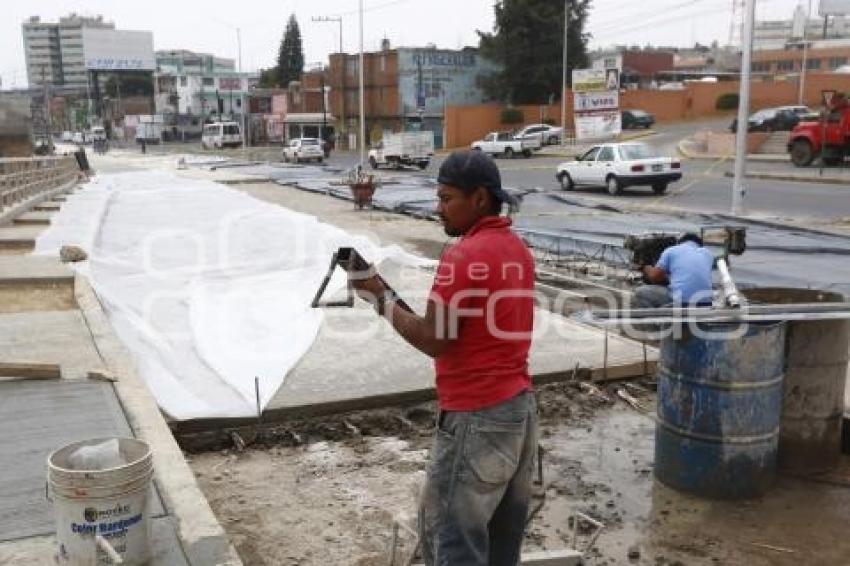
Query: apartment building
pixel 405 88
pixel 54 52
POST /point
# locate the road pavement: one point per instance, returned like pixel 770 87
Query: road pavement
pixel 703 188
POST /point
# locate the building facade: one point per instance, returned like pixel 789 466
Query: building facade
pixel 54 52
pixel 772 35
pixel 638 68
pixel 821 56
pixel 405 88
pixel 200 85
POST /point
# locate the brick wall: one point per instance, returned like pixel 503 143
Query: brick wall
pixel 465 124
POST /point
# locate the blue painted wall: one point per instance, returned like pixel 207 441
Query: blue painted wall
pixel 447 78
pixel 434 78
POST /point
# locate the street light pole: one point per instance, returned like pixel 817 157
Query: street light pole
pixel 564 76
pixel 805 57
pixel 738 188
pixel 362 102
pixel 342 124
pixel 241 88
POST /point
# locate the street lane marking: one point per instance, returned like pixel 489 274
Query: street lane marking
pixel 702 176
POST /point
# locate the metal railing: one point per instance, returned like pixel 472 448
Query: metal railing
pixel 22 178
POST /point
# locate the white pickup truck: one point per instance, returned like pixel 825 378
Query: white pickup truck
pixel 505 144
pixel 403 148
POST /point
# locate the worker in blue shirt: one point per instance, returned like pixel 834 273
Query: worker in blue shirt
pixel 681 277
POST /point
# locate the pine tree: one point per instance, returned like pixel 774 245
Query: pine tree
pixel 290 58
pixel 527 41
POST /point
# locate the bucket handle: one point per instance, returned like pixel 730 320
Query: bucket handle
pixel 104 545
pixel 107 548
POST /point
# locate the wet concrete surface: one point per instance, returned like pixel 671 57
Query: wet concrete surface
pixel 604 469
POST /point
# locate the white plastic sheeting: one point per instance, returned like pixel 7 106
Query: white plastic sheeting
pixel 206 286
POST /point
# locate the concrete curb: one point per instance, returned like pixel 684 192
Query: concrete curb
pixel 800 178
pixel 8 216
pixel 766 158
pixel 202 538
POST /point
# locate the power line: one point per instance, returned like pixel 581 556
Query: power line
pixel 631 17
pixel 616 27
pixel 653 16
pixel 374 8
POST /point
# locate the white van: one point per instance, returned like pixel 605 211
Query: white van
pixel 221 134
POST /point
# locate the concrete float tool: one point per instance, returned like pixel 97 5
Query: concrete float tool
pixel 357 268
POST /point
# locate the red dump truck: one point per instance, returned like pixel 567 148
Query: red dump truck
pixel 829 137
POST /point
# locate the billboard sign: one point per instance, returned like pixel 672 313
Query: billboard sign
pixel 598 125
pixel 596 80
pixel 834 8
pixel 588 101
pixel 589 80
pixel 116 50
pixel 229 83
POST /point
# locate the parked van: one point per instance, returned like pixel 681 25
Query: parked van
pixel 221 134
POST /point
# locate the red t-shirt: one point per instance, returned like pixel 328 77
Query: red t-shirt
pixel 487 280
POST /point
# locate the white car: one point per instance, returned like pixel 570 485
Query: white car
pixel 548 135
pixel 304 149
pixel 616 166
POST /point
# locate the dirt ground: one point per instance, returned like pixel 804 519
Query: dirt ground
pixel 327 491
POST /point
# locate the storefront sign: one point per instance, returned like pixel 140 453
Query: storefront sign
pixel 589 101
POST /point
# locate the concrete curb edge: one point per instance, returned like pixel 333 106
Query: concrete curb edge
pixel 769 158
pixel 798 178
pixel 202 537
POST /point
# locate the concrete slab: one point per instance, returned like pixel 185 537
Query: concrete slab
pixel 37 218
pixel 58 337
pixel 359 361
pixel 35 283
pixel 25 269
pixel 201 537
pixel 48 415
pixel 48 206
pixel 18 239
pixel 37 551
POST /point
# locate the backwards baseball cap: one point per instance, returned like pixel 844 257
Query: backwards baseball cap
pixel 469 169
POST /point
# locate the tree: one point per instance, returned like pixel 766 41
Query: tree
pixel 528 42
pixel 290 57
pixel 268 77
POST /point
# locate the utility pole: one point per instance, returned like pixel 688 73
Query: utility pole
pixel 738 188
pixel 362 101
pixel 338 19
pixel 804 69
pixel 241 88
pixel 46 93
pixel 564 75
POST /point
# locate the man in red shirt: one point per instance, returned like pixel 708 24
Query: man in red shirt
pixel 477 327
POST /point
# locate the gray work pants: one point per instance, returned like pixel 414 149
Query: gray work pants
pixel 475 502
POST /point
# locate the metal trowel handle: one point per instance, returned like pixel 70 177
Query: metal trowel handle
pixel 357 268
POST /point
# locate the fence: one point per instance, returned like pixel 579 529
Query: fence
pixel 22 178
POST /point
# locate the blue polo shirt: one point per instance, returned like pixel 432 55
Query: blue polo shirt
pixel 688 267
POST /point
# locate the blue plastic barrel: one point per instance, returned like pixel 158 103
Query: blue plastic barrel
pixel 719 407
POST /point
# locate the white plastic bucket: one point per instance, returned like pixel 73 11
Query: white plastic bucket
pixel 109 504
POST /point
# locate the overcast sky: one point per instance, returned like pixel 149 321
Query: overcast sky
pixel 210 26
